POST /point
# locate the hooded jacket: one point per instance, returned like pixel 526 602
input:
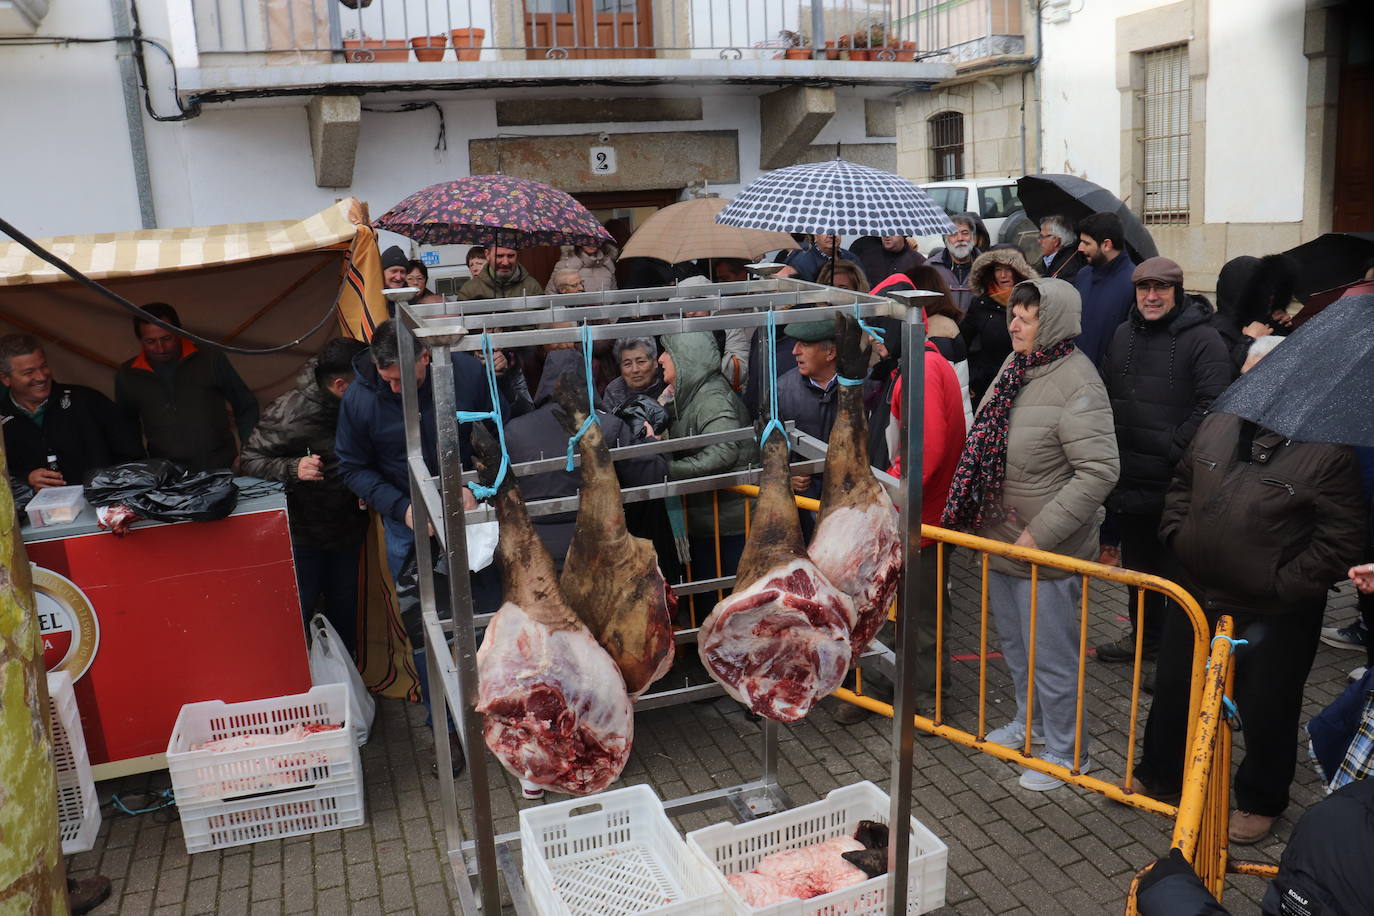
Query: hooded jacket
pixel 1061 446
pixel 486 285
pixel 1263 524
pixel 323 513
pixel 984 327
pixel 1108 295
pixel 371 437
pixel 597 270
pixel 943 435
pixel 943 332
pixel 539 434
pixel 704 403
pixel 1232 315
pixel 1162 377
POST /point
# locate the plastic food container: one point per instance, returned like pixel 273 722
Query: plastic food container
pixel 56 506
pixel 728 849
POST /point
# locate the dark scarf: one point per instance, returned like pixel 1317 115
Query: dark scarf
pixel 975 494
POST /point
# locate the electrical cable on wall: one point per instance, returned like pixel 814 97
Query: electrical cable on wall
pixel 442 142
pixel 102 290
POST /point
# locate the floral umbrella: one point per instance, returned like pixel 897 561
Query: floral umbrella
pixel 493 210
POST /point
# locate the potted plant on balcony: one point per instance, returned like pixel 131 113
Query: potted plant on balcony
pixel 467 43
pixel 796 46
pixel 366 50
pixel 429 48
pixel 871 41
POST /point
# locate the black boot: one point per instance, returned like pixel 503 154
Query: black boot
pixel 86 894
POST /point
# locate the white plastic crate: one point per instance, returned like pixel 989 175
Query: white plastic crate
pixel 78 807
pixel 218 825
pixel 612 854
pixel 202 776
pixel 733 848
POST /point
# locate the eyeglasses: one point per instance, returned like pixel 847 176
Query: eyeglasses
pixel 1157 286
pixel 1042 237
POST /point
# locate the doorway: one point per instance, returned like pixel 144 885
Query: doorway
pixel 1353 201
pixel 621 212
pixel 589 29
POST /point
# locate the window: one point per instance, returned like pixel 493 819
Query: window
pixel 953 200
pixel 1165 136
pixel 947 145
pixel 998 201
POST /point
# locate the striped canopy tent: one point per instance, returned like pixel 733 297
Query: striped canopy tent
pixel 249 284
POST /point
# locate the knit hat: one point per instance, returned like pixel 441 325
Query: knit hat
pixel 1161 270
pixel 394 257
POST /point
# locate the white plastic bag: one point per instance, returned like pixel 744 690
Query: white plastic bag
pixel 482 538
pixel 330 663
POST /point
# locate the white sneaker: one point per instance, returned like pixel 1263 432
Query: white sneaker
pixel 1357 673
pixel 1013 735
pixel 1037 781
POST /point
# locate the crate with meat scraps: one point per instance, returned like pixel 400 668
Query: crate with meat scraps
pixel 826 857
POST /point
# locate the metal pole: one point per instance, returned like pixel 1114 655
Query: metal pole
pixel 133 114
pixel 465 643
pixel 904 708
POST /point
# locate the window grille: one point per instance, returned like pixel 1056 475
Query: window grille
pixel 947 145
pixel 1165 135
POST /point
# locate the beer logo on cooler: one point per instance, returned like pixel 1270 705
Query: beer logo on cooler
pixel 67 623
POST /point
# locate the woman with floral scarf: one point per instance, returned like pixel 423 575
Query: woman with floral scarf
pixel 1038 464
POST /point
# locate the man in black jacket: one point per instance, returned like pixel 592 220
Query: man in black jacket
pixel 178 392
pixel 1261 526
pixel 1164 367
pixel 294 444
pixel 56 434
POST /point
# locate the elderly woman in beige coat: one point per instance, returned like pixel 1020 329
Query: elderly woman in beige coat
pixel 1038 464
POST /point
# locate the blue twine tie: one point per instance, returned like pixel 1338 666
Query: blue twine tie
pixel 877 334
pixel 848 382
pixel 1235 644
pixel 477 416
pixel 773 423
pixel 591 395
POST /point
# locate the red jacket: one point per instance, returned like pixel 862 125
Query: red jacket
pixel 944 434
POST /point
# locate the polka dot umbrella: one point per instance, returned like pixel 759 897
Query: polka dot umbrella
pixel 836 198
pixel 493 210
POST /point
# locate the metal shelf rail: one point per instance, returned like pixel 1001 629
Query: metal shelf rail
pixel 456 327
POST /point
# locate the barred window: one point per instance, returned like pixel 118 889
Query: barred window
pixel 1165 136
pixel 947 145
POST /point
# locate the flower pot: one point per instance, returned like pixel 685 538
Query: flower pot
pixel 860 54
pixel 908 51
pixel 370 50
pixel 798 54
pixel 831 52
pixel 429 48
pixel 467 43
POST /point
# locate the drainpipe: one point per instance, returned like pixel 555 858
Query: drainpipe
pixel 133 114
pixel 1035 84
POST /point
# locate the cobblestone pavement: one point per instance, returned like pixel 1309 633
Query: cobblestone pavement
pixel 1011 851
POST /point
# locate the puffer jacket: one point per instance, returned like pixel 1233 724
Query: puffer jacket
pixel 1263 524
pixel 597 270
pixel 1061 446
pixel 984 327
pixel 1162 377
pixel 486 285
pixel 323 513
pixel 704 403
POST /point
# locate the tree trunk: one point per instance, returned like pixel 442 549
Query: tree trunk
pixel 33 877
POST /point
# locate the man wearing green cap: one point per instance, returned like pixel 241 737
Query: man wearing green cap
pixel 806 394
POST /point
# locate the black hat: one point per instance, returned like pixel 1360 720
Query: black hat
pixel 811 331
pixel 394 257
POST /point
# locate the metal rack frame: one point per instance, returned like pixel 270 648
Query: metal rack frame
pixel 457 327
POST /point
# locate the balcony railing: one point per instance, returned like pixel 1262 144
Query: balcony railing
pixel 293 32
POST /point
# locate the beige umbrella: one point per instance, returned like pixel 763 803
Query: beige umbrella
pixel 688 230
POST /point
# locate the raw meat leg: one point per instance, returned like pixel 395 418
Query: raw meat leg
pixel 780 641
pixel 554 707
pixel 857 543
pixel 611 579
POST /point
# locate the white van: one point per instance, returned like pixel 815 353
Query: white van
pixel 993 199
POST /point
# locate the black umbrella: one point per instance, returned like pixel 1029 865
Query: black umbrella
pixel 1074 197
pixel 1318 385
pixel 1331 260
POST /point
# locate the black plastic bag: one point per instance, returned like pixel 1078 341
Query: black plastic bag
pixel 639 409
pixel 200 497
pixel 116 485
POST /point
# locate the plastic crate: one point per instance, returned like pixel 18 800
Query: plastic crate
pixel 733 848
pixel 218 825
pixel 201 776
pixel 612 854
pixel 78 807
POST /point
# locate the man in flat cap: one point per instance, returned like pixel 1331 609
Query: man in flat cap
pixel 807 394
pixel 1164 366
